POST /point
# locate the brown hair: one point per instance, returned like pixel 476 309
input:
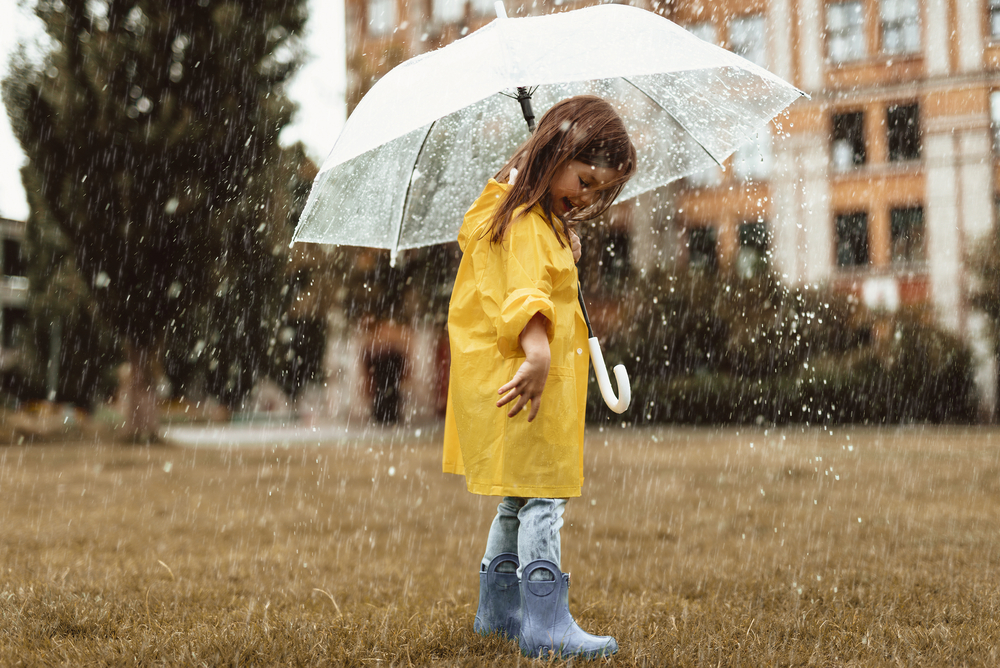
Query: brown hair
pixel 584 128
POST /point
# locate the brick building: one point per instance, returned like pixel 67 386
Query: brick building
pixel 879 185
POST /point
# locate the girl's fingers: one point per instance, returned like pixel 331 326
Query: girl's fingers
pixel 521 402
pixel 515 390
pixel 511 384
pixel 535 405
pixel 510 396
pixel 510 390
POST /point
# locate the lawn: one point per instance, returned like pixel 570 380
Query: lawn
pixel 694 547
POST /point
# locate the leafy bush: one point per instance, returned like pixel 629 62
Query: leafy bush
pixel 709 349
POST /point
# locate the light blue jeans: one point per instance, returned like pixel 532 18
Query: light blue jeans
pixel 528 528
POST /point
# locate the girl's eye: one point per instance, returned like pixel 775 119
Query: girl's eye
pixel 583 184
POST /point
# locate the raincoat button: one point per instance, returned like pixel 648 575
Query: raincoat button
pixel 579 351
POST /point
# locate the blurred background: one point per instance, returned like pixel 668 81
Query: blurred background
pixel 841 269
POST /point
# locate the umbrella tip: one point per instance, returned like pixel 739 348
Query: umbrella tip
pixel 500 9
pixel 393 254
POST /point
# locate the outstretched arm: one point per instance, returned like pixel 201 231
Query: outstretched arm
pixel 529 381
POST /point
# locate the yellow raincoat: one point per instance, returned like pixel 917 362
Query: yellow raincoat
pixel 498 289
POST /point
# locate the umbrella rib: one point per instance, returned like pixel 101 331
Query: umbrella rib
pixel 667 112
pixel 406 198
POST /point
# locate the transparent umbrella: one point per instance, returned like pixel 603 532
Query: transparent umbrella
pixel 422 142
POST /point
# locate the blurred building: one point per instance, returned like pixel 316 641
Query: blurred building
pixel 879 185
pixel 13 295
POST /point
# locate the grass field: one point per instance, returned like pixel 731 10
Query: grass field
pixel 693 547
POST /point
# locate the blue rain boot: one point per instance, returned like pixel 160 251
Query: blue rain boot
pixel 546 625
pixel 499 600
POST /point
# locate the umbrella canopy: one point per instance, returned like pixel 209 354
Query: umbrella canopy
pixel 420 145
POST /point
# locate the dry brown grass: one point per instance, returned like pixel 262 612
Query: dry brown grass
pixel 693 547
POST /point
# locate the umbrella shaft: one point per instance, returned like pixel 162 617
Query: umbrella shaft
pixel 524 97
pixel 583 307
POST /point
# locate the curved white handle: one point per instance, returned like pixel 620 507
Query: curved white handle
pixel 620 403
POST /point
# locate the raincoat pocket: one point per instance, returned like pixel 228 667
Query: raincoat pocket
pixel 542 457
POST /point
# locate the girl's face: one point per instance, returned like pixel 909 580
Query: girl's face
pixel 575 183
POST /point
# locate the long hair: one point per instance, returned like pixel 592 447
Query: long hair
pixel 584 128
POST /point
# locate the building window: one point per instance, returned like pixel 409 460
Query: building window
pixel 995 118
pixel 709 177
pixel 14 263
pixel 753 161
pixel 995 19
pixel 448 11
pixel 14 326
pixel 852 239
pixel 704 30
pixel 614 262
pixel 900 26
pixel 748 38
pixel 907 229
pixel 845 33
pixel 848 150
pixel 751 260
pixel 904 132
pixel 381 17
pixel 483 7
pixel 701 250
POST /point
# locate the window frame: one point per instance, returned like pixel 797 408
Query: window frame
pixel 391 22
pixel 859 149
pixel 758 42
pixel 13 326
pixel 615 258
pixel 455 11
pixel 900 23
pixel 993 20
pixel 995 119
pixel 14 262
pixel 753 237
pixel 855 32
pixel 483 8
pixel 699 28
pixel 839 221
pixel 895 150
pixel 909 258
pixel 710 265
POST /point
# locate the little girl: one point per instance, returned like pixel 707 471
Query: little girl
pixel 516 329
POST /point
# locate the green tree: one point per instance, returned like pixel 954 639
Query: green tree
pixel 717 348
pixel 151 131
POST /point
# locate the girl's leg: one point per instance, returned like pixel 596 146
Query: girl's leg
pixel 538 536
pixel 546 625
pixel 499 593
pixel 504 530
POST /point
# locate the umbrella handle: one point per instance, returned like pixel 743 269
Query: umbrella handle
pixel 620 403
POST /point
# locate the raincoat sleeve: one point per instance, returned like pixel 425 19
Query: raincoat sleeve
pixel 526 269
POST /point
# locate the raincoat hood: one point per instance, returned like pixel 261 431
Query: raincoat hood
pixel 480 214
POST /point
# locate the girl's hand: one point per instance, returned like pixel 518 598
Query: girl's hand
pixel 529 381
pixel 574 243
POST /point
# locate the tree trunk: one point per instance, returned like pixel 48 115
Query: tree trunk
pixel 138 399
